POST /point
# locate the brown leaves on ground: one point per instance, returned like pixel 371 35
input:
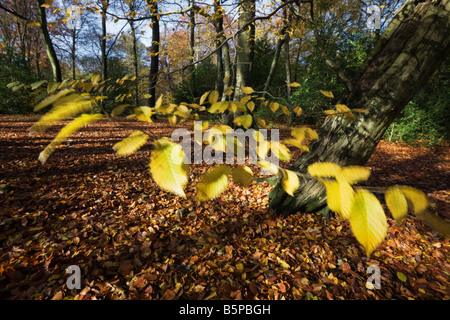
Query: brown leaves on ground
pixel 88 207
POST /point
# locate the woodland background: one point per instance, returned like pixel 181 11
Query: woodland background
pixel 89 207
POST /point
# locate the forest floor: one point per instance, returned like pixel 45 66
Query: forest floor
pixel 88 207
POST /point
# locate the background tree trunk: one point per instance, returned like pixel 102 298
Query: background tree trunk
pixel 104 56
pixel 154 60
pixel 42 16
pixel 405 57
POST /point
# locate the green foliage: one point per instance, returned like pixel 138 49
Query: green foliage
pixel 19 100
pixel 205 75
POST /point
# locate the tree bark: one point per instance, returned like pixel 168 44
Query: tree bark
pixel 192 45
pixel 154 60
pixel 54 62
pixel 244 46
pixel 405 57
pixel 104 58
pixel 275 60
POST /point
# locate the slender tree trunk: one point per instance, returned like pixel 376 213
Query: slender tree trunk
pixel 407 54
pixel 275 60
pixel 134 56
pixel 104 58
pixel 287 62
pixel 73 56
pixel 218 24
pixel 244 47
pixel 192 44
pixel 54 62
pixel 154 60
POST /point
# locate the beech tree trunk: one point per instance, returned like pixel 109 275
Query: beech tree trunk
pixel 403 60
pixel 104 55
pixel 154 59
pixel 54 62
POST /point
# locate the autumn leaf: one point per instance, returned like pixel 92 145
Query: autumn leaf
pixel 131 144
pixel 274 106
pixel 396 202
pixel 242 175
pixel 290 182
pixel 65 132
pixel 247 90
pixel 167 167
pixel 327 94
pixel 368 221
pixel 244 121
pixel 417 199
pixel 324 169
pixel 340 197
pixel 353 174
pixel 213 97
pixel 213 183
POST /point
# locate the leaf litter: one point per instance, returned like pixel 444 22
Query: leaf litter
pixel 91 208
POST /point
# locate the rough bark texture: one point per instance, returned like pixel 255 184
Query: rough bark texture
pixel 405 57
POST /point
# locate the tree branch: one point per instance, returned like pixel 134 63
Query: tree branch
pixel 18 15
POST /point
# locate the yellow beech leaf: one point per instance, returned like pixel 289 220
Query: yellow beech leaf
pixel 262 123
pixel 353 174
pixel 158 102
pixel 296 143
pixel 167 167
pixel 172 119
pixel 131 144
pixel 417 199
pixel 143 113
pixel 232 107
pixel 342 108
pixel 302 133
pixel 263 148
pixel 274 106
pixel 268 166
pixel 324 169
pixel 339 197
pixel 330 113
pixel 290 182
pixel 280 151
pixel 218 107
pixel 53 98
pixel 327 94
pixel 396 202
pixel 293 85
pixel 247 90
pixel 298 111
pixel 213 97
pixel 229 91
pixel 285 110
pixel 251 106
pixel 242 175
pixel 368 221
pixel 244 121
pixel 65 108
pixel 213 183
pixel 75 125
pixel 245 99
